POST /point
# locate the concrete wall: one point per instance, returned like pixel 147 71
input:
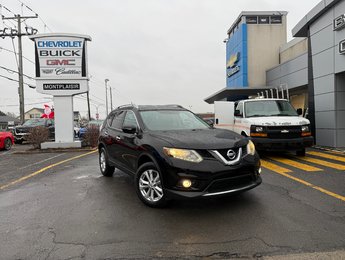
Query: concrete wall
pixel 264 42
pixel 329 90
pixel 293 49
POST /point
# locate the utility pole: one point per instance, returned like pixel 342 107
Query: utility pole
pixel 88 105
pixel 111 99
pixel 106 96
pixel 9 32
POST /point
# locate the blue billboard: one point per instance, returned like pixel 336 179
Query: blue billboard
pixel 236 59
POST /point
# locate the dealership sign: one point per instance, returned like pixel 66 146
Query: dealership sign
pixel 231 65
pixel 339 22
pixel 61 63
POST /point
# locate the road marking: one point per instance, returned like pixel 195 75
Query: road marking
pixel 322 162
pixel 328 156
pixel 332 194
pixel 273 167
pixel 44 169
pixel 42 161
pixel 296 164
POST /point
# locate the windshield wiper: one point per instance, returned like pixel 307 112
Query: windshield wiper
pixel 281 115
pixel 257 115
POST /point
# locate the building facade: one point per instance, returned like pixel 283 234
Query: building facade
pixel 315 66
pixel 311 66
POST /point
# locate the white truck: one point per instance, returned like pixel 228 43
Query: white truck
pixel 271 123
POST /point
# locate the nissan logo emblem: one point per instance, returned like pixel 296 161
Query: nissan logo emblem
pixel 231 154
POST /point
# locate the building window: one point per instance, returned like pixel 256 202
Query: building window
pixel 251 19
pixel 276 19
pixel 264 20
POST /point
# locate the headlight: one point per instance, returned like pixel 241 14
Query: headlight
pixel 305 128
pixel 250 148
pixel 183 154
pixel 258 131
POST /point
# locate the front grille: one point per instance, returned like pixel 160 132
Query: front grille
pixel 283 132
pixel 224 152
pixel 230 183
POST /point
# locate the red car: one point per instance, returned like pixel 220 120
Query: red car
pixel 6 140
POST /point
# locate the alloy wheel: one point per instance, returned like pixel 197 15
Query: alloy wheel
pixel 150 185
pixel 102 161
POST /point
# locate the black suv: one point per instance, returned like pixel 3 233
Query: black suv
pixel 22 132
pixel 172 153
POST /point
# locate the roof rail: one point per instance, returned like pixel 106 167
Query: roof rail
pixel 174 105
pixel 127 105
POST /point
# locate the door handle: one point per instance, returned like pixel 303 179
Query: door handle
pixel 118 138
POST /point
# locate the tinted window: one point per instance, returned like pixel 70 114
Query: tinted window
pixel 276 19
pixel 252 19
pixel 118 119
pixel 263 19
pixel 172 120
pixel 130 120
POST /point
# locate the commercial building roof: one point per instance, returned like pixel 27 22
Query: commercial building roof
pixel 254 13
pixel 301 29
pixel 233 92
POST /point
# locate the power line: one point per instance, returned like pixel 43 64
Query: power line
pixel 2 48
pixel 39 17
pixel 2 76
pixel 13 71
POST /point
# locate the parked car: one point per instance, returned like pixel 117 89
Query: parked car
pixel 21 132
pixel 83 130
pixel 172 153
pixel 6 140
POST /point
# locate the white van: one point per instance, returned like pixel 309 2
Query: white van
pixel 271 123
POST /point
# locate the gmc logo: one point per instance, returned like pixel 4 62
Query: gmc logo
pixel 70 62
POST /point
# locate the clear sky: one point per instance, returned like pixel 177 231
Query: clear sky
pixel 152 51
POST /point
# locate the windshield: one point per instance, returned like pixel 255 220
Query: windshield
pixel 269 108
pixel 172 120
pixel 35 122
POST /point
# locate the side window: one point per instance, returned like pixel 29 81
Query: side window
pixel 118 119
pixel 110 119
pixel 239 108
pixel 130 120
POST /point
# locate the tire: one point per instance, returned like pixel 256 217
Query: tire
pixel 7 144
pixel 300 152
pixel 104 166
pixel 148 185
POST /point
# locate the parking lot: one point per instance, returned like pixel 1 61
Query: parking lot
pixel 58 206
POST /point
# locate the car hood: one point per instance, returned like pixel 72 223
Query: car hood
pixel 278 120
pixel 207 139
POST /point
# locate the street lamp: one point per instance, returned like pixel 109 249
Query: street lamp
pixel 106 96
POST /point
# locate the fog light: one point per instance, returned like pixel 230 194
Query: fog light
pixel 186 183
pixel 259 171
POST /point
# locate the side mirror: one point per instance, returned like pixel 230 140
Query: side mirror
pixel 299 111
pixel 238 113
pixel 129 129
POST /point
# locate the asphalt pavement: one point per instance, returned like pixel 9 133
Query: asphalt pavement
pixel 59 206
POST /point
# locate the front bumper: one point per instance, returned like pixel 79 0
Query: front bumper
pixel 21 136
pixel 212 178
pixel 269 144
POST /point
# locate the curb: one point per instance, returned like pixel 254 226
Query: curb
pixel 330 149
pixel 57 150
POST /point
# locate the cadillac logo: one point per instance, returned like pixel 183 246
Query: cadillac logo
pixel 231 154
